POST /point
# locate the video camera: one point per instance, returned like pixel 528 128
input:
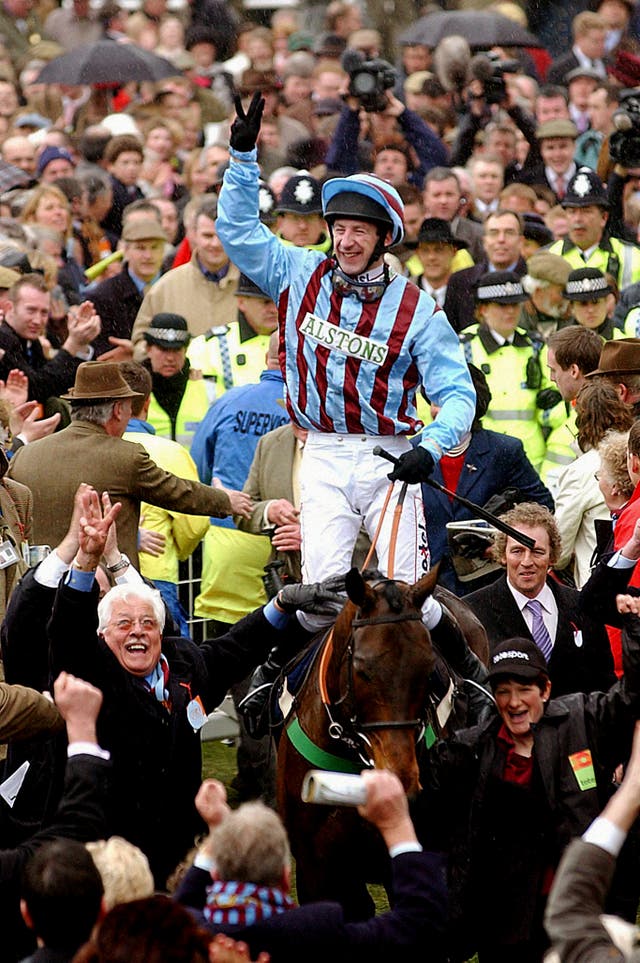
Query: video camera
pixel 490 71
pixel 369 80
pixel 624 143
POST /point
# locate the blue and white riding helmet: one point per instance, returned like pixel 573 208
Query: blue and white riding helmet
pixel 365 197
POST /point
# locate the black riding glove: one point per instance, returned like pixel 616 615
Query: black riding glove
pixel 246 127
pixel 413 466
pixel 319 598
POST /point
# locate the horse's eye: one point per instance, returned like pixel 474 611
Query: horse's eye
pixel 363 674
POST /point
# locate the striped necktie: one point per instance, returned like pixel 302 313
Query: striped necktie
pixel 539 630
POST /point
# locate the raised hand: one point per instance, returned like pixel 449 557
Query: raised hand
pixel 95 523
pixel 211 802
pixel 246 126
pixel 24 421
pixel 16 388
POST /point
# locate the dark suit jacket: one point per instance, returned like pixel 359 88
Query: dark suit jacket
pixel 46 378
pixel 492 463
pixel 319 931
pixel 117 301
pixel 536 175
pixel 54 467
pixel 459 304
pixel 122 197
pixel 572 668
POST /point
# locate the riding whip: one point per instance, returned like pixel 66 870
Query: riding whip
pixel 497 522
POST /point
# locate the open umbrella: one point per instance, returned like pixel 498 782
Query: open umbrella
pixel 106 62
pixel 481 29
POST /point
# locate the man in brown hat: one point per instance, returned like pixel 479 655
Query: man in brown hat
pixel 91 450
pixel 118 299
pixel 620 364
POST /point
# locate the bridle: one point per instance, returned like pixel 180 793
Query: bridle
pixel 352 732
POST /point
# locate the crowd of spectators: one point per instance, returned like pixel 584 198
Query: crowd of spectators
pixel 182 445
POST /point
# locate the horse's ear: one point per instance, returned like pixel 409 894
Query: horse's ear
pixel 425 586
pixel 356 587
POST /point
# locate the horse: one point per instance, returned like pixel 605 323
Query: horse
pixel 367 700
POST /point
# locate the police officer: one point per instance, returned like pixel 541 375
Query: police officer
pixel 592 301
pixel 233 354
pixel 523 402
pixel 180 396
pixel 587 204
pixel 299 214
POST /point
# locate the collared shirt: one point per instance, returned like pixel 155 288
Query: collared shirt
pixel 552 176
pixel 512 267
pixel 142 286
pixel 485 208
pixel 438 294
pixel 499 338
pixel 214 276
pixel 549 608
pixel 586 254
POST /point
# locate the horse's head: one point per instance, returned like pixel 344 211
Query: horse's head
pixel 383 660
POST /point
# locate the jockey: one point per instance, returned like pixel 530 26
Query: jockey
pixel 357 342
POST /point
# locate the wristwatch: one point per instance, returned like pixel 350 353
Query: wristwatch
pixel 119 566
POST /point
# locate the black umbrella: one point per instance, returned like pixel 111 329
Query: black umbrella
pixel 482 30
pixel 106 62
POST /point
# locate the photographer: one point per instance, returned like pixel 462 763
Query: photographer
pixel 487 95
pixel 342 156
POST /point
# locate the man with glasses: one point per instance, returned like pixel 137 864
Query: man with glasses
pixel 157 690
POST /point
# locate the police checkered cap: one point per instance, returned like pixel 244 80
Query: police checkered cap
pixel 586 284
pixel 385 198
pixel 585 189
pixel 300 195
pixel 501 287
pixel 167 330
pixel 518 658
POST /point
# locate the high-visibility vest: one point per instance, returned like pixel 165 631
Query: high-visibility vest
pixel 194 405
pixel 515 373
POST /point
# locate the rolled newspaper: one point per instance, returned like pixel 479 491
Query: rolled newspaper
pixel 333 788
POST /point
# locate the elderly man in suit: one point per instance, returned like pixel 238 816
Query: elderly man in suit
pixel 526 603
pixel 157 690
pixel 91 450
